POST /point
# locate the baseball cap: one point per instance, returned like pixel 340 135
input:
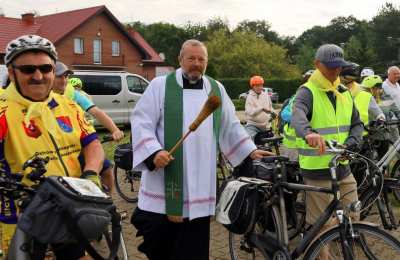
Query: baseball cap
pixel 331 56
pixel 61 69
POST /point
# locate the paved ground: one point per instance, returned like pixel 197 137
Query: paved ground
pixel 218 245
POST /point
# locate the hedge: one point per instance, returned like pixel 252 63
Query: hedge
pixel 284 87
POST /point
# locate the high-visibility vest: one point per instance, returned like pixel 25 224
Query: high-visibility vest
pixel 361 101
pixel 289 136
pixel 330 124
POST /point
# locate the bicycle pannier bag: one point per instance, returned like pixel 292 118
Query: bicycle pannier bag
pixel 236 208
pixel 65 206
pixel 123 156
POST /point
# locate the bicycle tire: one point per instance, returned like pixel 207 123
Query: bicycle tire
pixel 396 174
pixel 127 184
pixel 383 246
pixel 241 249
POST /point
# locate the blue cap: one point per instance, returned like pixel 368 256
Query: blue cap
pixel 331 56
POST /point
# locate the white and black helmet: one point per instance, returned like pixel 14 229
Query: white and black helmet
pixel 26 43
pixel 367 71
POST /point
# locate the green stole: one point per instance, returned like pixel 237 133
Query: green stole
pixel 173 128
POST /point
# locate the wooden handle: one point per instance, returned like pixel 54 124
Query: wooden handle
pixel 212 103
pixel 180 141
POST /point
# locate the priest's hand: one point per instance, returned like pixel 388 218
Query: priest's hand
pixel 162 159
pixel 258 154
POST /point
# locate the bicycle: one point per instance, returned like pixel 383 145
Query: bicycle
pixel 126 180
pixel 377 183
pixel 11 186
pixel 346 240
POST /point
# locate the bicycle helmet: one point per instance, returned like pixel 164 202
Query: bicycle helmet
pixel 351 72
pixel 372 81
pixel 367 71
pixel 75 82
pixel 26 43
pixel 256 80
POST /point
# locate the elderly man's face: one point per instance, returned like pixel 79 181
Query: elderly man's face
pixel 330 74
pixel 60 83
pixel 394 75
pixel 35 82
pixel 194 61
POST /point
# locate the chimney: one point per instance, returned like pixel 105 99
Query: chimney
pixel 28 18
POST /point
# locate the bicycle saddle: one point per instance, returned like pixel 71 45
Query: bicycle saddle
pixel 272 159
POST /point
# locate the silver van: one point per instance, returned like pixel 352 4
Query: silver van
pixel 115 92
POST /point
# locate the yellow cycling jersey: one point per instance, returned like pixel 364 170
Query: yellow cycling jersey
pixel 20 142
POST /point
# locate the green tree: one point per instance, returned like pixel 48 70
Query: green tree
pixel 243 54
pixel 164 37
pixel 305 58
pixel 261 28
pixel 386 33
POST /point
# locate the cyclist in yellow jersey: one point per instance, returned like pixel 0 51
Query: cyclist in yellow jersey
pixel 34 121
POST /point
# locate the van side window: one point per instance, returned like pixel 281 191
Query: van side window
pixel 101 85
pixel 136 84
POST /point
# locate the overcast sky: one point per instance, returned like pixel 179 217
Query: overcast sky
pixel 287 17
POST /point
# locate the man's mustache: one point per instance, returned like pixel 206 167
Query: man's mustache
pixel 36 82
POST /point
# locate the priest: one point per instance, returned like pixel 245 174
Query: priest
pixel 178 191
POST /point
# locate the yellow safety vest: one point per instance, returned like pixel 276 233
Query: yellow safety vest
pixel 361 101
pixel 289 137
pixel 330 124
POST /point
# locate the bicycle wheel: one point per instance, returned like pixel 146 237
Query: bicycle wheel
pixel 127 184
pixel 242 247
pixel 368 242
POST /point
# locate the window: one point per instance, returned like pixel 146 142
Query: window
pixel 101 85
pixel 97 51
pixel 136 84
pixel 115 48
pixel 78 46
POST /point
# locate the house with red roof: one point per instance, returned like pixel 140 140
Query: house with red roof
pixel 87 39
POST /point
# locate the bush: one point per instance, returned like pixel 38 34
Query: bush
pixel 285 87
pixel 239 104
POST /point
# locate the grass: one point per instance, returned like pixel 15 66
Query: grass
pixel 109 147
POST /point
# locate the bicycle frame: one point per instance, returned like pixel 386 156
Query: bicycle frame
pixel 334 207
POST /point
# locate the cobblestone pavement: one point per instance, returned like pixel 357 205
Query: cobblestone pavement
pixel 219 249
pixel 218 245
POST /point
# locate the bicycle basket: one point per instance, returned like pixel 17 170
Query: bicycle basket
pixel 123 156
pixel 237 206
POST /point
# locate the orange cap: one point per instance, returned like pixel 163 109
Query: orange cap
pixel 256 80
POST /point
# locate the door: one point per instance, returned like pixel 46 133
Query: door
pixel 136 87
pixel 106 93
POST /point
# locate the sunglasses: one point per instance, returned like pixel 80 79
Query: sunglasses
pixel 30 69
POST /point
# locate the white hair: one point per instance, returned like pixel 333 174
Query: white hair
pixel 392 69
pixel 192 42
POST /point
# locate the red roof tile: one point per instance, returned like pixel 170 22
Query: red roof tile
pixel 142 42
pixel 56 26
pixel 12 28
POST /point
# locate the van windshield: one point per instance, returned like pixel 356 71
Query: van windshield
pixel 101 84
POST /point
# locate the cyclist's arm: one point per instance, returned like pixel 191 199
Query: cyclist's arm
pixel 94 156
pixel 107 122
pixel 302 112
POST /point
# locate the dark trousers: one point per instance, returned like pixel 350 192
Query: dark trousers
pixel 62 252
pixel 165 240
